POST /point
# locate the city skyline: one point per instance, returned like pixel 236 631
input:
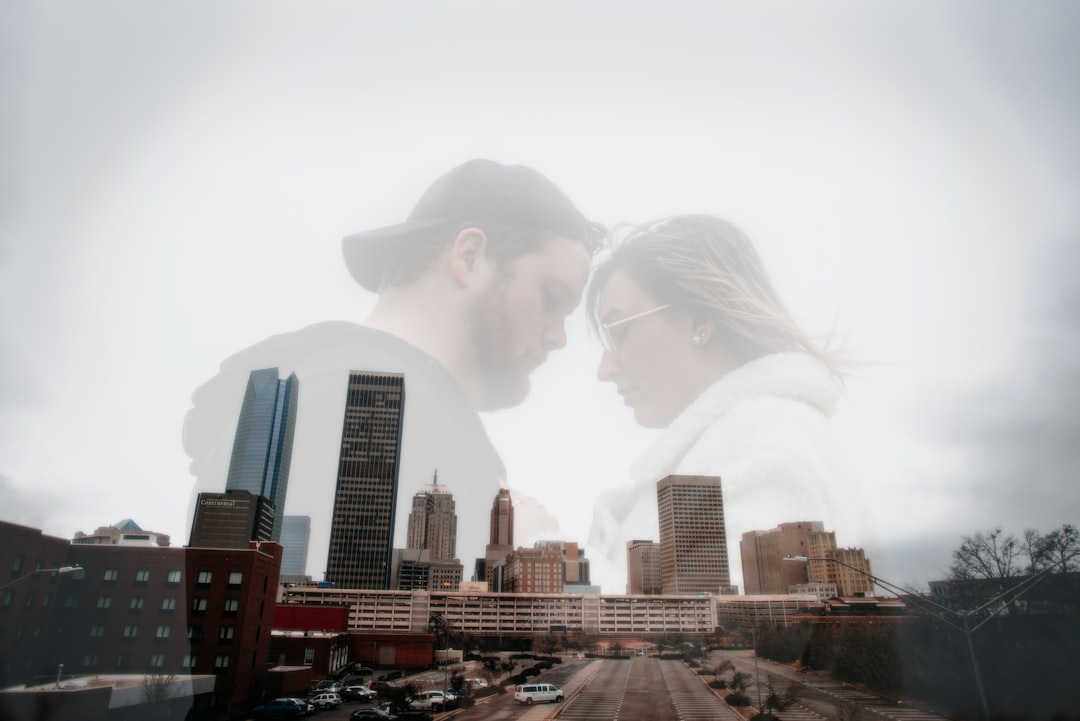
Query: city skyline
pixel 919 204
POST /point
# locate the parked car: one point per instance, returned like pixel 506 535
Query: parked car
pixel 280 708
pixel 358 693
pixel 429 701
pixel 307 706
pixel 325 700
pixel 537 692
pixel 372 713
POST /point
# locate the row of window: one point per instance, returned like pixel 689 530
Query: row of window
pixel 204 578
pixel 164 631
pixel 158 661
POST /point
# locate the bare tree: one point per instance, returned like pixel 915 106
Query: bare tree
pixel 990 554
pixel 158 687
pixel 1061 548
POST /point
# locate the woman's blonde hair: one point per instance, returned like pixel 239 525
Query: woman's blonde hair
pixel 707 266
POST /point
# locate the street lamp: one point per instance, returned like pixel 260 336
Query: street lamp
pixel 938 611
pixel 61 569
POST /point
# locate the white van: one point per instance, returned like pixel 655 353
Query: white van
pixel 538 693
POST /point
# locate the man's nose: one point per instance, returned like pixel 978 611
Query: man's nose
pixel 555 337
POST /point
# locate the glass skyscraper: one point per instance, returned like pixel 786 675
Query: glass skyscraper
pixel 262 450
pixel 295 535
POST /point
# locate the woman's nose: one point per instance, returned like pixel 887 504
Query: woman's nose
pixel 606 371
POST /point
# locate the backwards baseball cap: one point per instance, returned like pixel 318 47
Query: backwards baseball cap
pixel 476 191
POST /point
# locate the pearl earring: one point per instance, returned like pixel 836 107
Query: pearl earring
pixel 696 340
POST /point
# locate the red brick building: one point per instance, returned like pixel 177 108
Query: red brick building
pixel 136 610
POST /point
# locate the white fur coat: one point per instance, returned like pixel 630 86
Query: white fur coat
pixel 764 429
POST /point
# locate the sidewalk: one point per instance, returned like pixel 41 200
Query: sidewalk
pixel 541 712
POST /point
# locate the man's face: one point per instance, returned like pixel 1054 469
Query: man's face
pixel 521 318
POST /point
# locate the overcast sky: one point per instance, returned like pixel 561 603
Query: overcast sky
pixel 177 176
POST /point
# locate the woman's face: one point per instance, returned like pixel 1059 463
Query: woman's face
pixel 652 360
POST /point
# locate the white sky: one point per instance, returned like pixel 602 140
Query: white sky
pixel 177 176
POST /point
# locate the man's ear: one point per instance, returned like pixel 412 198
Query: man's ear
pixel 468 257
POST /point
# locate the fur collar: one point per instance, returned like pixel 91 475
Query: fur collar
pixel 792 376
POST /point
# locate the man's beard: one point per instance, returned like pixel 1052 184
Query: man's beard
pixel 505 383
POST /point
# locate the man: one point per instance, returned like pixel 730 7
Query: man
pixel 474 289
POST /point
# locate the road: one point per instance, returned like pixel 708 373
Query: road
pixel 638 689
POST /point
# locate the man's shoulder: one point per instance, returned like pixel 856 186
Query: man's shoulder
pixel 332 344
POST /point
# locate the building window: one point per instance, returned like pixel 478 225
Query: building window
pixel 226 633
pixel 309 656
pixel 111 574
pixel 195 634
pixel 104 602
pixel 189 661
pixel 29 601
pixel 45 600
pixel 90 660
pixel 231 606
pixel 131 630
pixel 37 631
pixel 163 631
pixel 17 566
pixel 71 602
pixel 97 630
pixel 198 606
pixel 221 661
pixel 235 579
pixel 168 604
pixel 204 578
pixel 8 596
pixel 136 603
pixel 173 577
pixel 157 660
pixel 142 575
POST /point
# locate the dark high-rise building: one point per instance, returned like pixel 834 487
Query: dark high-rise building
pixel 262 449
pixel 231 520
pixel 362 526
pixel 501 540
pixel 295 535
pixel 693 538
pixel 502 519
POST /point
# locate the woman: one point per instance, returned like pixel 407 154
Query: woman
pixel 697 342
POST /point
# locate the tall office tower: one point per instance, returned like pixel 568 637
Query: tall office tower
pixel 295 534
pixel 433 521
pixel 231 520
pixel 848 580
pixel 643 568
pixel 362 526
pixel 262 449
pixel 502 537
pixel 693 540
pixel 763 554
pixel 502 519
